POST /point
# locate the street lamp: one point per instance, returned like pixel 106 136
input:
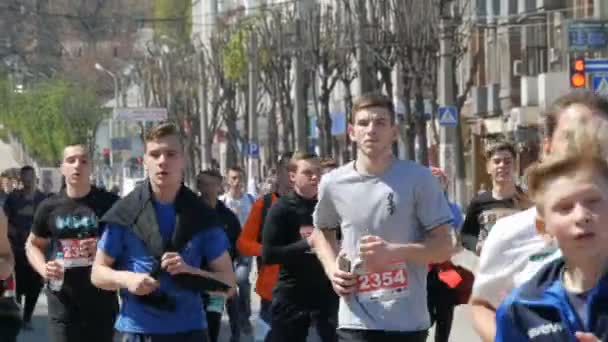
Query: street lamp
pixel 110 121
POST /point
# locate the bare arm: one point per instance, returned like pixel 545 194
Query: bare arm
pixel 438 247
pixel 35 247
pixel 221 269
pixel 7 260
pixel 484 319
pixel 106 278
pixel 323 243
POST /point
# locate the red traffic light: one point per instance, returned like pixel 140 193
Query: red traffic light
pixel 579 64
pixel 106 152
pixel 578 79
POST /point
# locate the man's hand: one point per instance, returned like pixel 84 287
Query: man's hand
pixel 141 284
pixel 375 252
pixel 344 283
pixel 586 337
pixel 53 270
pixel 88 247
pixel 174 264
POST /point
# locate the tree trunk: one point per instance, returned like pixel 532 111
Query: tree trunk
pixel 324 124
pixel 422 156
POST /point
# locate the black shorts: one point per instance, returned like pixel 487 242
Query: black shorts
pixel 69 322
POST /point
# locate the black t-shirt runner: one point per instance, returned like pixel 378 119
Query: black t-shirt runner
pixel 66 222
pixel 483 212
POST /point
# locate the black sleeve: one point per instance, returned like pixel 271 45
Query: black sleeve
pixel 8 206
pixel 40 224
pixel 470 227
pixel 233 230
pixel 278 243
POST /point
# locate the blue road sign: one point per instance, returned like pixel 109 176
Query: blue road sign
pixel 596 65
pixel 587 35
pixel 600 84
pixel 254 149
pixel 448 116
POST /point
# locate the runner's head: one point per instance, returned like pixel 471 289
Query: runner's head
pixel 304 173
pixel 164 157
pixel 500 158
pixel 327 165
pixel 6 183
pixel 235 179
pixel 373 126
pixel 284 184
pixel 209 184
pixel 580 105
pixel 570 189
pixel 27 175
pixel 75 165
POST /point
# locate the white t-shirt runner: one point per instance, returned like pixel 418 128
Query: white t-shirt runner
pixel 239 206
pixel 513 252
pixel 400 206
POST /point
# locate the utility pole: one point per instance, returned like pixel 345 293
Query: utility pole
pixel 364 79
pixel 203 113
pixel 600 9
pixel 299 98
pixel 451 158
pixel 253 146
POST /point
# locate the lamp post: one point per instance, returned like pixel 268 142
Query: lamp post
pixel 111 120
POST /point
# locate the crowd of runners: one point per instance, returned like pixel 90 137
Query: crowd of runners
pixel 360 252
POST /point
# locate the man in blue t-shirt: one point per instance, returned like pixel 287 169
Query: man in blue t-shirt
pixel 126 258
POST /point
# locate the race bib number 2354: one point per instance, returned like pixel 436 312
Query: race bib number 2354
pixel 389 284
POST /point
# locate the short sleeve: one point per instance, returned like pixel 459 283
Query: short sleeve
pixel 325 215
pixel 429 195
pixel 111 241
pixel 213 244
pixel 40 223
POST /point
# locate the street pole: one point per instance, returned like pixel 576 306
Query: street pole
pixel 253 115
pixel 451 157
pixel 299 101
pixel 203 114
pixel 600 9
pixel 364 79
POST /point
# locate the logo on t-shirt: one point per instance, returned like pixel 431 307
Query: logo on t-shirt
pixel 391 203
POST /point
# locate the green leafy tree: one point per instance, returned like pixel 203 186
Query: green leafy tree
pixel 49 115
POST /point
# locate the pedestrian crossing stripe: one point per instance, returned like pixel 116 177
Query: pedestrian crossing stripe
pixel 602 87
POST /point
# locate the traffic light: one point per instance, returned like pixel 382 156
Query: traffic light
pixel 578 79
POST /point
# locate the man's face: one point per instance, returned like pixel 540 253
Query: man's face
pixel 575 114
pixel 28 179
pixel 575 212
pixel 164 161
pixel 501 166
pixel 75 166
pixel 306 177
pixel 373 131
pixel 235 180
pixel 209 187
pixel 7 184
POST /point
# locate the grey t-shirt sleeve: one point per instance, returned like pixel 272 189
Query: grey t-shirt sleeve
pixel 325 215
pixel 432 208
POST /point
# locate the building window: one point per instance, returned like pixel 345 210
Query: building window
pixel 115 51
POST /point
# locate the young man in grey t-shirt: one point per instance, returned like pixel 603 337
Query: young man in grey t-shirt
pixel 394 221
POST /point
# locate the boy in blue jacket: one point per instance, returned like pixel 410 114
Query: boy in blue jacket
pixel 567 300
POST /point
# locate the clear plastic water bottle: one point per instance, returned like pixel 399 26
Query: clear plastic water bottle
pixel 56 284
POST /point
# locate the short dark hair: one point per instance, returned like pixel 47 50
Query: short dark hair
pixel 500 145
pixel 236 168
pixel 329 162
pixel 297 156
pixel 581 97
pixel 26 168
pixel 369 100
pixel 210 173
pixel 161 130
